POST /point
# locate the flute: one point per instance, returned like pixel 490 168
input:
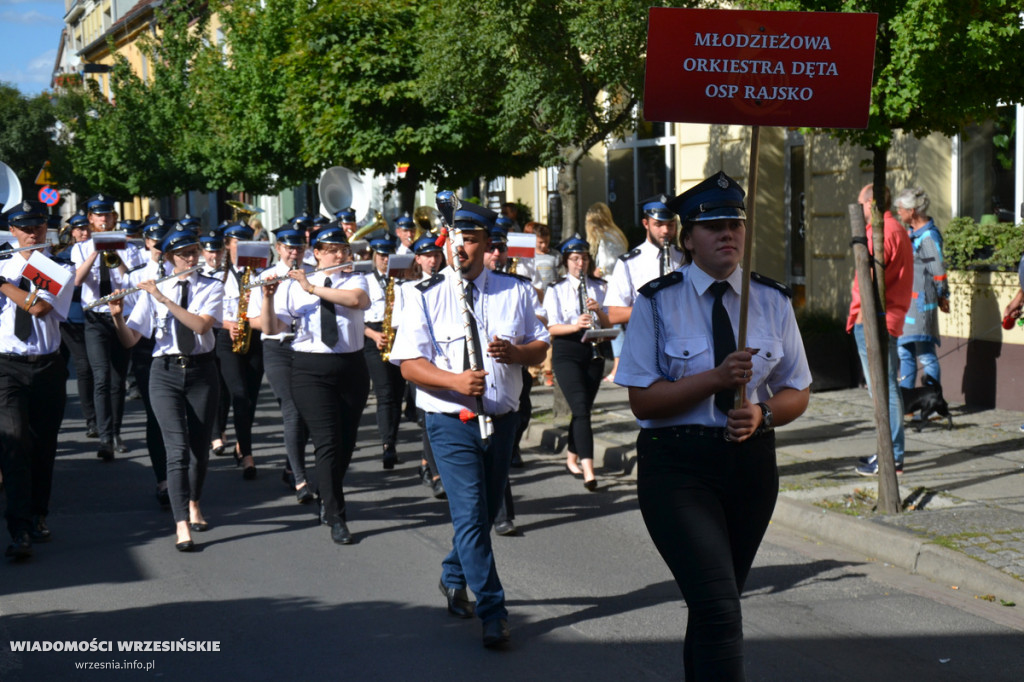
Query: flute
pixel 280 278
pixel 4 253
pixel 448 204
pixel 131 290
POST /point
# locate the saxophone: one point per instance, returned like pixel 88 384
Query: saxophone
pixel 240 344
pixel 386 328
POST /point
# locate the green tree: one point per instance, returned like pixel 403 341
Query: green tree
pixel 26 134
pixel 563 74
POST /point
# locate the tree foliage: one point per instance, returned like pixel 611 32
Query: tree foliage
pixel 26 134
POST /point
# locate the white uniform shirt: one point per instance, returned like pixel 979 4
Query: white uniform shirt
pixel 376 289
pixel 131 256
pixel 151 270
pixel 45 336
pixel 402 249
pixel 433 329
pixel 405 292
pixel 684 345
pixel 279 269
pixel 154 320
pixel 562 300
pixel 635 269
pixel 291 301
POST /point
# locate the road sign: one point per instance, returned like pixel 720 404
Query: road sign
pixel 44 177
pixel 49 195
pixel 759 68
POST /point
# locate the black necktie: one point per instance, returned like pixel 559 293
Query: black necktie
pixel 186 339
pixel 105 287
pixel 22 318
pixel 328 320
pixel 473 331
pixel 725 342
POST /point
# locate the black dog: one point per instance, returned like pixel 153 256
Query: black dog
pixel 928 399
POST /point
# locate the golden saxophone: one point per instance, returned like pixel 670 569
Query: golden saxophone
pixel 386 328
pixel 240 344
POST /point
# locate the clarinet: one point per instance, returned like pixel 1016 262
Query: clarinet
pixel 665 258
pixel 581 293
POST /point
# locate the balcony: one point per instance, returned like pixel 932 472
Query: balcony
pixel 72 10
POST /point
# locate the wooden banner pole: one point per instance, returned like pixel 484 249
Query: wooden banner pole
pixel 748 247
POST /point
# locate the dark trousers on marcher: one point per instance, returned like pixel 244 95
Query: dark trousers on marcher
pixel 707 503
pixel 389 389
pixel 579 377
pixel 109 362
pixel 73 337
pixel 277 361
pixel 32 395
pixel 220 421
pixel 186 400
pixel 243 374
pixel 330 390
pixel 474 477
pixel 142 359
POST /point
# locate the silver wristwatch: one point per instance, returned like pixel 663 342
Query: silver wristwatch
pixel 767 420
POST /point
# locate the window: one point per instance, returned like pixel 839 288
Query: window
pixel 987 168
pixel 640 166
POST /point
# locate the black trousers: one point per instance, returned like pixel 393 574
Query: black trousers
pixel 109 361
pixel 186 399
pixel 277 360
pixel 330 390
pixel 142 359
pixel 389 389
pixel 220 420
pixel 32 395
pixel 707 504
pixel 73 337
pixel 579 376
pixel 242 375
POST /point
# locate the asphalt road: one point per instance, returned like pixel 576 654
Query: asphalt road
pixel 589 597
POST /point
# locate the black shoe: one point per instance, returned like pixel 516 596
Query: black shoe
pixel 505 527
pixel 590 485
pixel 517 460
pixel 185 546
pixel 458 600
pixel 390 458
pixel 199 526
pixel 163 498
pixel 20 547
pixel 90 430
pixel 39 532
pixel 496 633
pixel 304 495
pixel 288 478
pixel 217 450
pixel 106 452
pixel 340 533
pixel 439 493
pixel 573 473
pixel 119 444
pixel 249 472
pixel 426 478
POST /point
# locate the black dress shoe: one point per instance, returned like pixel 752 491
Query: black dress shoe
pixel 573 473
pixel 590 485
pixel 217 450
pixel 119 444
pixel 90 430
pixel 425 476
pixel 390 459
pixel 20 547
pixel 106 452
pixel 163 498
pixel 340 533
pixel 496 633
pixel 199 526
pixel 439 492
pixel 458 600
pixel 505 527
pixel 304 495
pixel 517 460
pixel 185 546
pixel 39 532
pixel 249 473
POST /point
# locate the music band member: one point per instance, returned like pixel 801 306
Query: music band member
pixel 431 348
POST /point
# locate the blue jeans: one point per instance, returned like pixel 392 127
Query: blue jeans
pixel 474 478
pixel 912 351
pixel 895 398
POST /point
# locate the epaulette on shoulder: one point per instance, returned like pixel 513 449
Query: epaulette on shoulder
pixel 426 284
pixel 630 254
pixel 521 278
pixel 602 280
pixel 558 281
pixel 769 282
pixel 62 257
pixel 203 275
pixel 656 285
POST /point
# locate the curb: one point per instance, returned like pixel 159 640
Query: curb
pixel 872 539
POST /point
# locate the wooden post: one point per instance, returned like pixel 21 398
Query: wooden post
pixel 888 487
pixel 748 248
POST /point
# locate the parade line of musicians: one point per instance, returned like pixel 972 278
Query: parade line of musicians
pixel 448 342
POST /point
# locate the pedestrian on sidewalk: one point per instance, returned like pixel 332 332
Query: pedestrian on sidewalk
pixel 899 283
pixel 707 479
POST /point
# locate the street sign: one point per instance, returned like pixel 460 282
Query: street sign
pixel 49 196
pixel 741 67
pixel 44 177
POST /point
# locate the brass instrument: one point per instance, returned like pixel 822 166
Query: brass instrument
pixel 512 265
pixel 581 292
pixel 386 328
pixel 378 224
pixel 428 221
pixel 111 260
pixel 240 344
pixel 131 290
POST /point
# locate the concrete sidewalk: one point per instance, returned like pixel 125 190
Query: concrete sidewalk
pixel 962 490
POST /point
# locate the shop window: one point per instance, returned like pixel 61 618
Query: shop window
pixel 987 168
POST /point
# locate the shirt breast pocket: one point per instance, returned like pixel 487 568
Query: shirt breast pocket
pixel 506 332
pixel 769 355
pixel 451 342
pixel 688 355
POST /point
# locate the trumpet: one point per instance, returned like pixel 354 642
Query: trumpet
pixel 131 290
pixel 111 260
pixel 581 292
